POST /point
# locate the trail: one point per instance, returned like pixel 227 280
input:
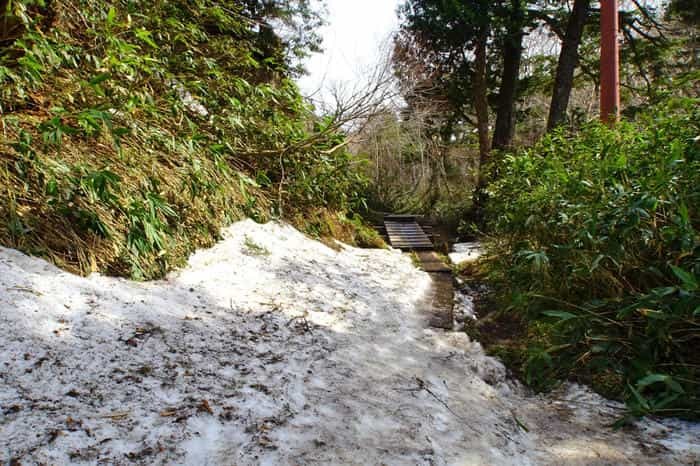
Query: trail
pixel 271 348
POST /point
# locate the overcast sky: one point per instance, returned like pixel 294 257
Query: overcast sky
pixel 351 41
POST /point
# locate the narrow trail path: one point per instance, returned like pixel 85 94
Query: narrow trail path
pixel 284 353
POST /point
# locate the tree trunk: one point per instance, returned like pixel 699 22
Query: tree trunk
pixel 481 108
pixel 568 60
pixel 481 105
pixel 512 54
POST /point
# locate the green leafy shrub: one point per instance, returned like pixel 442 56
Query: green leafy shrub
pixel 595 236
pixel 328 225
pixel 133 130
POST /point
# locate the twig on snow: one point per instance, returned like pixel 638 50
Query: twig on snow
pixel 422 385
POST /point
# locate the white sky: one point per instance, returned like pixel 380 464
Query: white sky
pixel 352 41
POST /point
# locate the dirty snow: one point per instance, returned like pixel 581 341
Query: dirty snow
pixel 270 348
pixel 464 308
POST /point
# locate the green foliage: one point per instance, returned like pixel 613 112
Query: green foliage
pixel 687 10
pixel 597 244
pixel 253 248
pixel 132 131
pixel 325 224
pixel 430 53
pixel 410 167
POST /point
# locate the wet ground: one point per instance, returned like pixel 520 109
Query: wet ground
pixel 438 303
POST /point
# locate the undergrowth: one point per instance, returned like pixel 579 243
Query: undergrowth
pixel 595 243
pixel 329 226
pixel 131 131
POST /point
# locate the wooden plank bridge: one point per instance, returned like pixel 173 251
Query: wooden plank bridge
pixel 404 232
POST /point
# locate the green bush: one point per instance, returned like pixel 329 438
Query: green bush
pixel 133 130
pixel 596 235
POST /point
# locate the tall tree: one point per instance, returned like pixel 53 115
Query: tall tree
pixel 460 45
pixel 687 10
pixel 515 19
pixel 289 25
pixel 481 103
pixel 448 40
pixel 568 60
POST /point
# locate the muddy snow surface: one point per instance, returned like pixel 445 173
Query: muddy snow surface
pixel 271 348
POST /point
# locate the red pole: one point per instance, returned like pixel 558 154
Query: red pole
pixel 609 62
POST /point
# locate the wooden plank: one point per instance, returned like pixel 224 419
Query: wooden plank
pixel 431 262
pixel 407 235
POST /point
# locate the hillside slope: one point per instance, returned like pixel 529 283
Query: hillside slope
pixel 133 131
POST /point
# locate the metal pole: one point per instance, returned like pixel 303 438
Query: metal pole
pixel 609 62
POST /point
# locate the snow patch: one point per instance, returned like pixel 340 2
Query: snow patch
pixel 285 353
pixel 465 252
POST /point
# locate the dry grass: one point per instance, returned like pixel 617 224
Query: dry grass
pixel 39 224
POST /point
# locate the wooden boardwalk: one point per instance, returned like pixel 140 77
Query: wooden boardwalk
pixel 405 233
pixel 431 262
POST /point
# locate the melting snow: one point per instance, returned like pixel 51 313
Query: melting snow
pixel 465 252
pixel 286 353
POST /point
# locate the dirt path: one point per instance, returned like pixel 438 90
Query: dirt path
pixel 271 348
